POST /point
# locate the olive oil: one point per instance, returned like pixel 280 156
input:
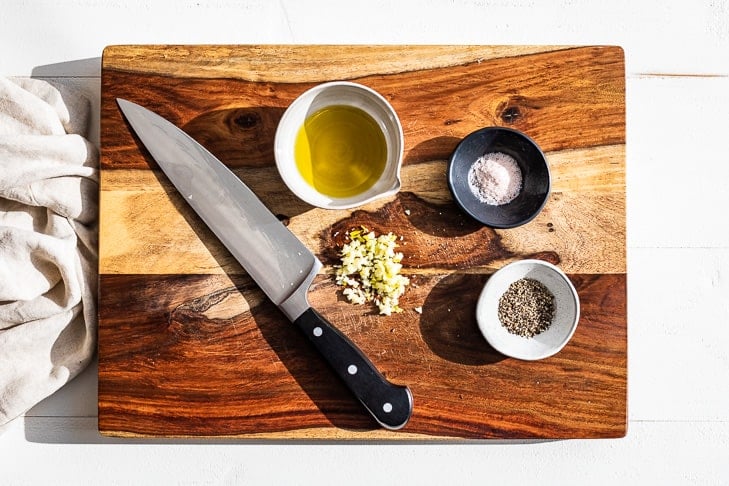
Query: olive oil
pixel 340 151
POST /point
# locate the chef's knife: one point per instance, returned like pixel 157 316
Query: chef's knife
pixel 279 263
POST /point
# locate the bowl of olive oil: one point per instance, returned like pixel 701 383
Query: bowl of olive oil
pixel 339 145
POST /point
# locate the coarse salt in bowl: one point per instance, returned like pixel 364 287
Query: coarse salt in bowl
pixel 546 343
pixel 492 152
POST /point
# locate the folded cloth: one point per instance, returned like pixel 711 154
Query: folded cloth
pixel 48 241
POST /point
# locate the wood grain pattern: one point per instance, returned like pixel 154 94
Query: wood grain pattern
pixel 564 99
pixel 211 356
pixel 188 346
pixel 151 226
pixel 311 63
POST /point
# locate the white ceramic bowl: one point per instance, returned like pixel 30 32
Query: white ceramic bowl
pixel 545 344
pixel 339 93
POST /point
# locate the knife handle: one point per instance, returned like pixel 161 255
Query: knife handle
pixel 391 405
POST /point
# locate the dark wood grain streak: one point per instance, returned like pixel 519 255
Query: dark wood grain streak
pixel 252 372
pixel 563 99
pixel 431 235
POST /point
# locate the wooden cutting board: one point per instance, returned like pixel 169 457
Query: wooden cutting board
pixel 189 346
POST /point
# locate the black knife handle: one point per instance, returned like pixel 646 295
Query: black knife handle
pixel 391 405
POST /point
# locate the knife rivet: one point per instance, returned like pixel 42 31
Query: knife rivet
pixel 352 369
pixel 387 407
pixel 317 331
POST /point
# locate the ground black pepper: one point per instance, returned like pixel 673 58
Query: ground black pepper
pixel 526 308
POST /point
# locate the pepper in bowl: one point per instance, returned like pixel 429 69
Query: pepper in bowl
pixel 528 309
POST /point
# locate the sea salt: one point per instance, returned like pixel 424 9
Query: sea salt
pixel 495 178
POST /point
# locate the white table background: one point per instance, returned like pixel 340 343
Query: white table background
pixel 677 68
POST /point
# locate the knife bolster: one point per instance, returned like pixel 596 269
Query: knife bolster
pixel 297 303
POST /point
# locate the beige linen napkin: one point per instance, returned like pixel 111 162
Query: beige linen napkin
pixel 48 248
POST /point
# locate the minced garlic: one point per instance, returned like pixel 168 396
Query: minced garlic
pixel 370 270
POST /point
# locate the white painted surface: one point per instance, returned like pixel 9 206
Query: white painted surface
pixel 677 63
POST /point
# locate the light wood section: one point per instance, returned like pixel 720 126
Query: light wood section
pixel 305 63
pixel 148 225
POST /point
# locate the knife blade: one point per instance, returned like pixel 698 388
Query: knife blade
pixel 281 265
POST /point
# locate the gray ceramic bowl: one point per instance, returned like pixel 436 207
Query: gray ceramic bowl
pixel 566 311
pixel 534 170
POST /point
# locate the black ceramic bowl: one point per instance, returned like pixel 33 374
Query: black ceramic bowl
pixel 534 170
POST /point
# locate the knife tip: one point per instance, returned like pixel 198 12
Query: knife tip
pixel 127 107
